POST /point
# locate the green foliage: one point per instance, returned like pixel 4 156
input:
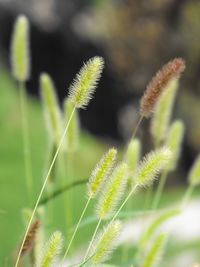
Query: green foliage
pixel 20 54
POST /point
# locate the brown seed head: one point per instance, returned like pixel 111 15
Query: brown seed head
pixel 30 238
pixel 172 70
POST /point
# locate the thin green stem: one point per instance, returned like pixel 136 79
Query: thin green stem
pixel 76 229
pixel 187 196
pixel 61 190
pixel 26 137
pixel 93 237
pixel 43 186
pixel 159 190
pixel 65 198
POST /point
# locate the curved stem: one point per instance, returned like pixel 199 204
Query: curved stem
pixel 93 237
pixel 61 190
pixel 76 229
pixel 26 137
pixel 43 186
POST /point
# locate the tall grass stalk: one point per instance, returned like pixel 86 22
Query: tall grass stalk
pixel 92 239
pixel 26 137
pixel 44 185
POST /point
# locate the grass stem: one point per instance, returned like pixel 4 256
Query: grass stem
pixel 76 229
pixel 26 137
pixel 93 237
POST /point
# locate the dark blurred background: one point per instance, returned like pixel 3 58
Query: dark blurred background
pixel 135 37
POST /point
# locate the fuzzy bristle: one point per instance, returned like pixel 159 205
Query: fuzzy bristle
pixel 51 251
pixel 101 172
pixel 151 166
pixel 154 89
pixel 85 83
pixel 105 243
pixel 113 192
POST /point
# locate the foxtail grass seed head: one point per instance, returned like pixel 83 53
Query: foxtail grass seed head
pixel 194 174
pixel 174 142
pixel 132 156
pixel 20 54
pixel 72 135
pixel 30 238
pixel 101 172
pixel 51 108
pixel 151 166
pixel 162 114
pixel 105 243
pixel 158 84
pixel 113 192
pixel 51 251
pixel 155 253
pixel 85 83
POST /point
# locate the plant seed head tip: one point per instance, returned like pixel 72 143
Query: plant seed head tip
pixel 85 83
pixel 172 70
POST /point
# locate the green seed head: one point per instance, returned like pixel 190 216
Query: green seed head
pixel 174 142
pixel 85 83
pixel 194 174
pixel 105 243
pixel 20 54
pixel 151 166
pixel 51 251
pixel 101 173
pixel 132 157
pixel 51 108
pixel 113 192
